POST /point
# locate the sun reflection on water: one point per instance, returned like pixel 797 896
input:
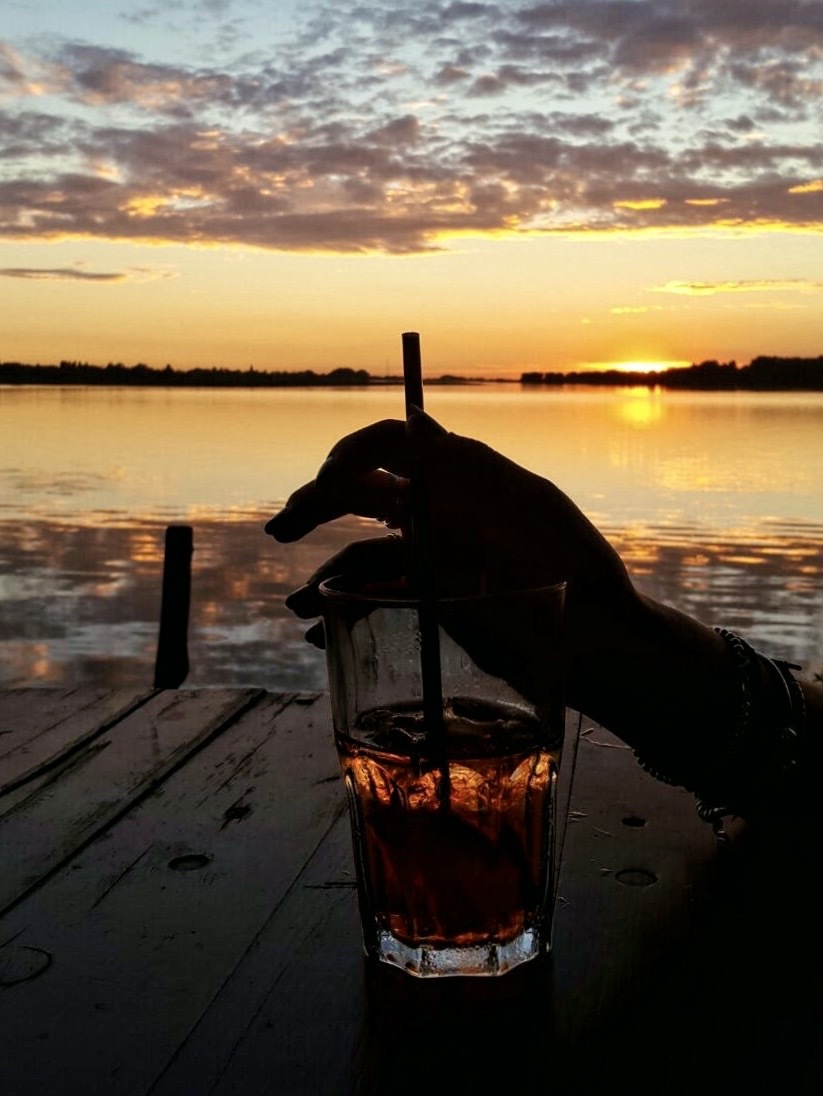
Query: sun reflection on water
pixel 641 407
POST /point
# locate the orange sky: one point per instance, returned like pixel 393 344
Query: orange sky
pixel 529 186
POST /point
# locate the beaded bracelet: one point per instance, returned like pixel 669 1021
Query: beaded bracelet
pixel 768 734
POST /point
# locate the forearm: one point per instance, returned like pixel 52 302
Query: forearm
pixel 671 688
pixel 647 670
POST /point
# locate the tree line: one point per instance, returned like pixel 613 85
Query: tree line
pixel 115 373
pixel 762 373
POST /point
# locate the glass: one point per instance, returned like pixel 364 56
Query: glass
pixel 454 812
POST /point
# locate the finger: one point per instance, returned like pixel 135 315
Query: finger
pixel 381 445
pixel 362 563
pixel 377 494
pixel 388 444
pixel 305 509
pixel 316 635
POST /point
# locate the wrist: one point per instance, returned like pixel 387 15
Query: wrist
pixel 661 681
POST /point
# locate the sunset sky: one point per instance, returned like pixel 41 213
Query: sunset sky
pixel 291 185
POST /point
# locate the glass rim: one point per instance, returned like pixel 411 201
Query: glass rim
pixel 327 590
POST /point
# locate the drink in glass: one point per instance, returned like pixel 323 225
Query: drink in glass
pixel 454 829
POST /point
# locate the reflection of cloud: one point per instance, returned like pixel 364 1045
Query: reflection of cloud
pixel 81 603
pixel 343 134
pixel 60 484
pixel 699 472
pixel 763 581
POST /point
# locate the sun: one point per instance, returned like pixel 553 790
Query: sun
pixel 648 366
pixel 636 365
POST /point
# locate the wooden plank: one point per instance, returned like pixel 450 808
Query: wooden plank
pixel 635 851
pixel 148 922
pixel 289 1019
pixel 103 778
pixel 40 726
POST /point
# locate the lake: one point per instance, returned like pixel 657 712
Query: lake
pixel 714 500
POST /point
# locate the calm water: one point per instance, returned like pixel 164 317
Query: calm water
pixel 713 499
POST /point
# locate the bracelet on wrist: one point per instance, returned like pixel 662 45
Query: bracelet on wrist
pixel 760 750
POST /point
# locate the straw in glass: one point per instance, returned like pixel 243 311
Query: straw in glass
pixel 423 576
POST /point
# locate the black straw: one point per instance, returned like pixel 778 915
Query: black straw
pixel 412 372
pixel 424 579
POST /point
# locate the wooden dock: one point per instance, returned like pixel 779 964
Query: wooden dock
pixel 178 915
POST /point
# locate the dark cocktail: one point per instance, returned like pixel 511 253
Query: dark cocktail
pixel 454 839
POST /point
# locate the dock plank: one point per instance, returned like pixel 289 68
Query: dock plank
pixel 39 727
pixel 289 1019
pixel 149 922
pixel 103 778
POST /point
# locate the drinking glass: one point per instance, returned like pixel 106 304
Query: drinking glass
pixel 452 798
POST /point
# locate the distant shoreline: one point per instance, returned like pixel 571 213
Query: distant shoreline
pixel 143 376
pixel 761 374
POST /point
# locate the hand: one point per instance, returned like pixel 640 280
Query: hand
pixel 493 526
pixel 659 679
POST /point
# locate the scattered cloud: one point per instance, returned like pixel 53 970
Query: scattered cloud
pixel 640 203
pixel 59 274
pixel 635 310
pixel 345 135
pixel 78 274
pixel 706 289
pixel 814 187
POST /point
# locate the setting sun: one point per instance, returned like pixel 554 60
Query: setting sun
pixel 649 367
pixel 639 366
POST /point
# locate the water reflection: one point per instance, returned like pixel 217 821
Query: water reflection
pixel 80 604
pixel 713 499
pixel 763 580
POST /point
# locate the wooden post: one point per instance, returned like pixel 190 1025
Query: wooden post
pixel 172 665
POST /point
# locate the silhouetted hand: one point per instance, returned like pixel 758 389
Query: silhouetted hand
pixel 661 680
pixel 493 526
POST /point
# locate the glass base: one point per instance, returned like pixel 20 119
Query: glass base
pixel 486 960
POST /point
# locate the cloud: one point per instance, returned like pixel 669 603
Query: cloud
pixel 12 77
pixel 634 310
pixel 518 117
pixel 771 285
pixel 58 274
pixel 78 274
pixel 814 187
